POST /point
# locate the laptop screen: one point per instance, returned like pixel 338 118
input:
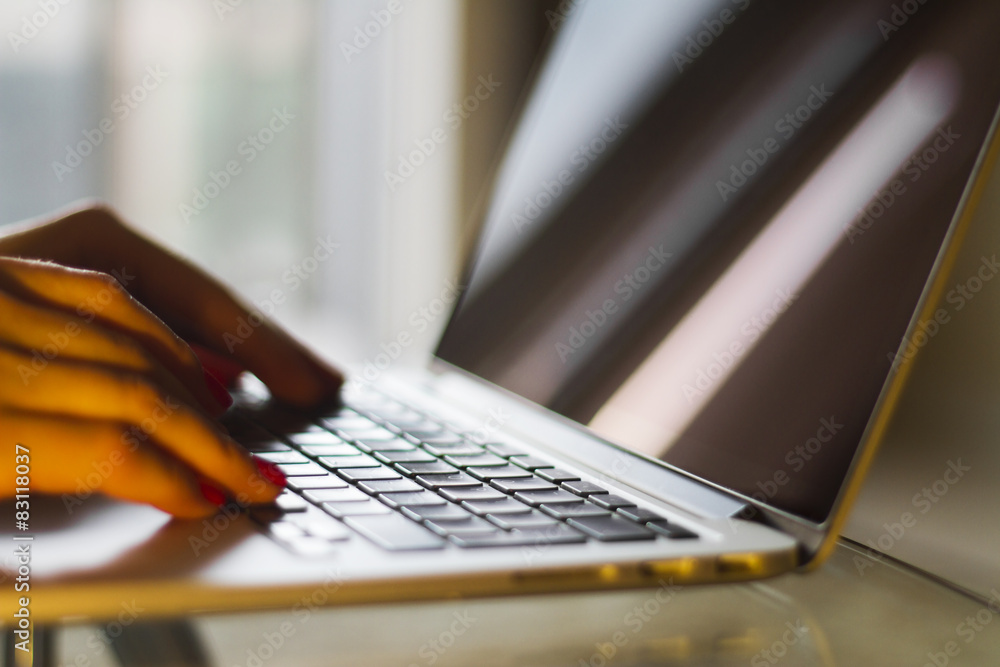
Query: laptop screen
pixel 714 221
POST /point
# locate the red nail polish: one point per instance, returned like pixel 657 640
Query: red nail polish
pixel 219 393
pixel 213 494
pixel 271 472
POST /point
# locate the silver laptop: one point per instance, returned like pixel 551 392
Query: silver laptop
pixel 712 251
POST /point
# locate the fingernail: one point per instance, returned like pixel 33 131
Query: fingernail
pixel 213 494
pixel 271 472
pixel 219 393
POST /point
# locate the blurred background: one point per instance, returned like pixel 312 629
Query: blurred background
pixel 316 108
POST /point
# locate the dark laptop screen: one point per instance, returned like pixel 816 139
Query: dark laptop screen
pixel 714 222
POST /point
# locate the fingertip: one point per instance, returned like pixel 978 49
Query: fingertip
pixel 212 493
pixel 271 473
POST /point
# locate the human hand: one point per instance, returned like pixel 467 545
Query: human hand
pixel 92 381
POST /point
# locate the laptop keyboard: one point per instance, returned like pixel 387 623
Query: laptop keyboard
pixel 407 481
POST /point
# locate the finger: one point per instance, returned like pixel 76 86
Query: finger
pixel 87 391
pixel 46 334
pixel 77 457
pixel 89 297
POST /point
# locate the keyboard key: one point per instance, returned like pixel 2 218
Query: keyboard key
pixel 289 501
pixel 503 506
pixel 285 530
pixel 348 494
pixel 368 507
pixel 583 488
pixel 454 450
pixel 388 486
pixel 471 493
pixel 359 461
pixel 394 445
pixel 331 450
pixel 569 511
pixel 534 519
pixel 674 532
pixel 556 497
pixel 395 532
pixel 318 523
pixel 468 526
pixel 264 445
pixel 448 511
pixel 640 514
pixel 317 437
pixel 412 455
pixel 500 472
pixel 359 474
pixel 515 485
pixel 374 434
pixel 328 481
pixel 415 499
pixel 611 502
pixel 530 462
pixel 504 450
pixel 407 419
pixel 421 425
pixel 282 457
pixel 556 475
pixel 440 438
pixel 302 470
pixel 431 468
pixel 497 539
pixel 447 481
pixel 477 460
pixel 611 528
pixel 557 533
pixel 353 422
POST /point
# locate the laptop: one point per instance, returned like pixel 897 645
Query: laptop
pixel 711 254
